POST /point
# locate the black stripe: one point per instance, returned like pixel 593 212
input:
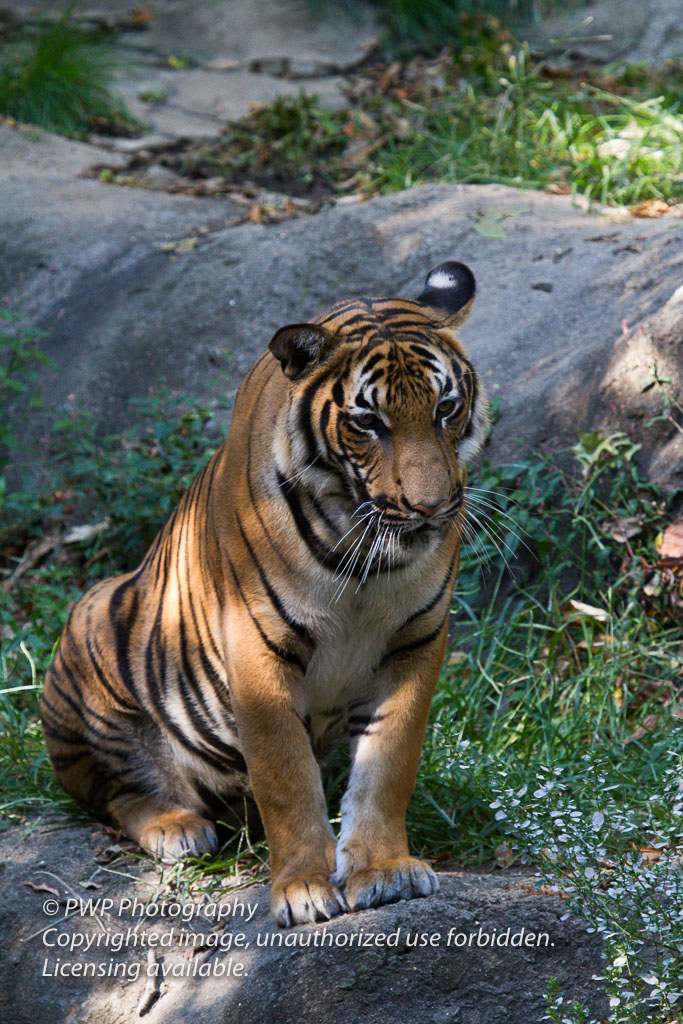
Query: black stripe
pixel 298 627
pixel 320 551
pixel 124 705
pixel 413 645
pixel 279 652
pixel 432 603
pixel 325 416
pixel 364 317
pixel 320 509
pixel 79 710
pixel 156 643
pixel 372 361
pixel 61 761
pixel 122 627
pixel 365 719
pixel 304 418
pixel 467 432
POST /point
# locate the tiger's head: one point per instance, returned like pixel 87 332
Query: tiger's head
pixel 383 399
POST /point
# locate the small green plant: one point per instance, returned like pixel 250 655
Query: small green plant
pixel 509 123
pixel 288 145
pixel 671 392
pixel 20 357
pixel 152 96
pixel 618 867
pixel 61 81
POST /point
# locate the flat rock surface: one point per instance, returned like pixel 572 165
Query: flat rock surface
pixel 187 67
pixel 481 950
pixel 124 309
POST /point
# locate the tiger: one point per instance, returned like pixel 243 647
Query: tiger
pixel 297 600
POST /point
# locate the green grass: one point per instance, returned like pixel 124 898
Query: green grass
pixel 61 81
pixel 515 126
pixel 553 739
pixel 484 111
pixel 426 26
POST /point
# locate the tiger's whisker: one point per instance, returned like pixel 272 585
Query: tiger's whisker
pixel 354 527
pixel 500 534
pixel 300 473
pixel 349 554
pixel 487 531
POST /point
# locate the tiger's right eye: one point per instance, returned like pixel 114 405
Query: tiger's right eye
pixel 445 406
pixel 367 419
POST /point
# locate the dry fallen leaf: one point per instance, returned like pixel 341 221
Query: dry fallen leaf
pixel 41 887
pixel 255 214
pixel 601 640
pixel 81 534
pixel 589 610
pixel 649 723
pixel 105 854
pixel 623 529
pixel 559 188
pixel 543 890
pixel 649 854
pixel 650 208
pixel 142 15
pixel 672 541
pixel 33 555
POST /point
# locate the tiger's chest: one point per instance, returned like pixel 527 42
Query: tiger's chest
pixel 344 675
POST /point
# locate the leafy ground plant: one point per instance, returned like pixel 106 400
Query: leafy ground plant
pixel 61 80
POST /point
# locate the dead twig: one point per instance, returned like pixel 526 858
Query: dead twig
pixel 150 992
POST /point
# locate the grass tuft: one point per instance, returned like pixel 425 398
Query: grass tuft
pixel 61 81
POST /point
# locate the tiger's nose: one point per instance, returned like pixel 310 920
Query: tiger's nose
pixel 429 510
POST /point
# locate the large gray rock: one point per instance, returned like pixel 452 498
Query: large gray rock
pixel 604 31
pixel 557 290
pixel 520 939
pixel 241 30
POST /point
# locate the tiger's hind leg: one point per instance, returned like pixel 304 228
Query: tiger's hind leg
pixel 167 834
pixel 129 778
pixel 112 756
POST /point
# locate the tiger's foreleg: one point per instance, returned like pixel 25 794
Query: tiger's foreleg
pixel 285 780
pixel 373 862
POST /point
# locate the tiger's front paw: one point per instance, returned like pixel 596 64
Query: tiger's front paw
pixel 387 881
pixel 298 900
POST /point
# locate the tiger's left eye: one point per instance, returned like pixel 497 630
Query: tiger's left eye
pixel 445 406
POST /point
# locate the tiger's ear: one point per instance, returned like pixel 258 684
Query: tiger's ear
pixel 449 290
pixel 301 347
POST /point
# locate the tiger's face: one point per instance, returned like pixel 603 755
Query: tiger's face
pixel 405 410
pixel 383 396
